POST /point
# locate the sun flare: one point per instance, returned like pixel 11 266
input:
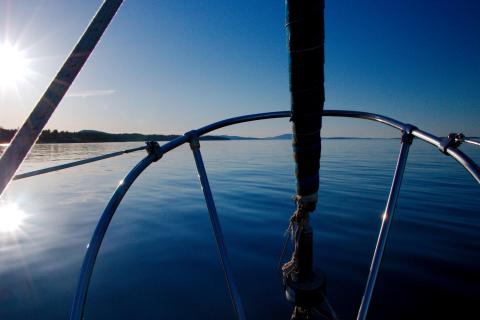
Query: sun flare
pixel 14 66
pixel 11 217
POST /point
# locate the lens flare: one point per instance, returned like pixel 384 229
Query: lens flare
pixel 14 66
pixel 11 217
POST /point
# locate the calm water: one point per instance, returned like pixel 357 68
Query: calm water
pixel 159 260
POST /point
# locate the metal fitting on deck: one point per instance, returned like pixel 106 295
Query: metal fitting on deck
pixel 154 149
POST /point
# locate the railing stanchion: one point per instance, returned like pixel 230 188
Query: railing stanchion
pixel 212 210
pixel 78 306
pixel 386 221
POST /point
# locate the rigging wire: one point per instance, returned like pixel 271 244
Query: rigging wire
pixel 75 163
pixel 476 143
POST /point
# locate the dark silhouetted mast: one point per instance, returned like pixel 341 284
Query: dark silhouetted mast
pixel 305 23
pixel 306 44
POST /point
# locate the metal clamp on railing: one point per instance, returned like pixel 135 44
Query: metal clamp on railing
pixel 407 133
pixel 453 140
pixel 193 139
pixel 460 138
pixel 154 149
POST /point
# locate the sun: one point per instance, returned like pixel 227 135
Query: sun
pixel 14 66
pixel 11 217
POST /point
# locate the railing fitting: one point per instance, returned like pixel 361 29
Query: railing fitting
pixel 154 149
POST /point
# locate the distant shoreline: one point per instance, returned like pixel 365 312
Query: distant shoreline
pixel 93 136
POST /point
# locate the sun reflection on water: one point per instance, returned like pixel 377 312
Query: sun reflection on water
pixel 11 217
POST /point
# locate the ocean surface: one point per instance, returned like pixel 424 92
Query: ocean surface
pixel 159 261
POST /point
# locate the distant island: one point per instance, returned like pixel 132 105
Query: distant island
pixel 86 136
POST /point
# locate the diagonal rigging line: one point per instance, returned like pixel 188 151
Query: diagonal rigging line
pixel 25 138
pixel 75 163
pixel 476 143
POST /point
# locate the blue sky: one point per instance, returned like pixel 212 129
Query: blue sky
pixel 169 66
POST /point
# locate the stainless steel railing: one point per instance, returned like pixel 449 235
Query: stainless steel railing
pixel 448 146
